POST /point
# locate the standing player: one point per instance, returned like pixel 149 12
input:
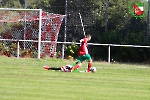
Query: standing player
pixel 83 54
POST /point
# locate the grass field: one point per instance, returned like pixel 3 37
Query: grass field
pixel 25 79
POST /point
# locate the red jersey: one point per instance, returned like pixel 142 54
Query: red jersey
pixel 83 47
pixel 66 68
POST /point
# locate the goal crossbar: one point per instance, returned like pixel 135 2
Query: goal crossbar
pixel 20 9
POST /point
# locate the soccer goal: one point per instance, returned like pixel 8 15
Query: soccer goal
pixel 29 32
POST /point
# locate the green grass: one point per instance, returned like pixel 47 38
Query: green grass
pixel 25 79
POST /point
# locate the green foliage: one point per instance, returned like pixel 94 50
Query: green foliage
pixel 42 4
pixel 110 38
pixel 71 51
pixel 133 54
pixel 10 50
pixel 10 4
pixel 123 28
pixel 5 49
pixel 123 54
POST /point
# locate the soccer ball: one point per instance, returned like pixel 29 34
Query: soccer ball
pixel 93 69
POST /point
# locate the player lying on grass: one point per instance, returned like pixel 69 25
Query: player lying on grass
pixel 83 54
pixel 63 68
pixel 67 68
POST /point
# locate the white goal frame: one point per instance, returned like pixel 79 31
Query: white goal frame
pixel 40 24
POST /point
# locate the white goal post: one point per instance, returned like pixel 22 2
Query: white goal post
pixel 31 28
pixel 39 18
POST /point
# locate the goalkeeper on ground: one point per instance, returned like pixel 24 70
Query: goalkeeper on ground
pixel 66 68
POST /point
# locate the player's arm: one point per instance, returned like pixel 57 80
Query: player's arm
pixel 82 40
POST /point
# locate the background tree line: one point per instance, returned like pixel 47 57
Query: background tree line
pixel 122 27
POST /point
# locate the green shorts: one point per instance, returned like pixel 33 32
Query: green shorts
pixel 86 57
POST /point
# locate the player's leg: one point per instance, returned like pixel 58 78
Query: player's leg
pixel 51 68
pixel 89 59
pixel 78 64
pixel 54 68
pixel 46 67
pixel 89 65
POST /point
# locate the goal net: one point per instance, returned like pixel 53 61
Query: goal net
pixel 29 32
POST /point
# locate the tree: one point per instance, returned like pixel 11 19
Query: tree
pixel 11 4
pixel 123 28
